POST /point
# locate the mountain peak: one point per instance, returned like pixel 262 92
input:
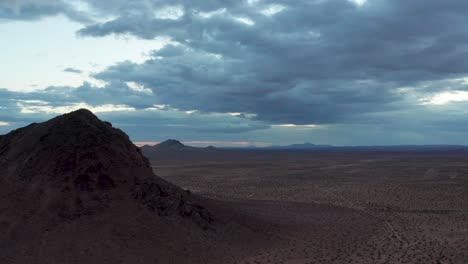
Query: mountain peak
pixel 81 115
pixel 81 112
pixel 85 165
pixel 171 144
pixel 81 119
pixel 68 144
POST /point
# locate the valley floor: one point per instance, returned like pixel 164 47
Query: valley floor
pixel 338 207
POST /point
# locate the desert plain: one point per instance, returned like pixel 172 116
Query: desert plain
pixel 338 206
pixel 76 190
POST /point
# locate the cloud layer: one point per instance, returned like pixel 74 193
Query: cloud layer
pixel 311 62
pixel 36 9
pixel 335 63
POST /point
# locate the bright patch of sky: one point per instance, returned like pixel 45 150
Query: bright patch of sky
pixel 222 11
pixel 446 97
pixel 157 107
pixel 272 10
pixel 245 20
pixel 212 13
pixel 36 107
pixel 253 2
pixel 34 58
pixel 296 126
pixel 139 88
pixel 81 6
pixel 358 2
pixel 170 12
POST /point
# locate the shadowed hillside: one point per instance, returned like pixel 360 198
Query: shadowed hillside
pixel 76 190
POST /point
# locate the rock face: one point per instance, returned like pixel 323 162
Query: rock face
pixel 76 190
pixel 76 165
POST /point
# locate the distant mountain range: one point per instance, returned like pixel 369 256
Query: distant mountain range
pixel 310 146
pixel 407 147
pixel 174 146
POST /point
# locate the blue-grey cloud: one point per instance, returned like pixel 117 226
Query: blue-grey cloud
pixel 72 70
pixel 420 125
pixel 144 121
pixel 313 62
pixel 11 10
pixel 360 71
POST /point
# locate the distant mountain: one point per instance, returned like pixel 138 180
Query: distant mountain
pixel 211 148
pixel 168 145
pixel 172 146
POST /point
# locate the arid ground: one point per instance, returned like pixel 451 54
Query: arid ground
pixel 76 190
pixel 338 206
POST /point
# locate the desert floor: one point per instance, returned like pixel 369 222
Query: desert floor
pixel 338 207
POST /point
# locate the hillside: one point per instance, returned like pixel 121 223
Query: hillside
pixel 76 190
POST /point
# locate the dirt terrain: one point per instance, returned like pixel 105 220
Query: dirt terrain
pixel 75 189
pixel 340 206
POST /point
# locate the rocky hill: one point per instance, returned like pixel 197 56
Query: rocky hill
pixel 72 185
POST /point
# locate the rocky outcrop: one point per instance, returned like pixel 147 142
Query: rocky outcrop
pixel 76 165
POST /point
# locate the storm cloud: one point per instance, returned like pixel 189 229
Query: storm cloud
pixel 27 10
pixel 310 62
pixel 339 64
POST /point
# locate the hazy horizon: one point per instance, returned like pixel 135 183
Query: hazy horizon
pixel 243 144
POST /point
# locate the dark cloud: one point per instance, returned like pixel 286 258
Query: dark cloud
pixel 72 70
pixel 360 71
pixel 202 81
pixel 37 9
pixel 143 120
pixel 421 124
pixel 113 93
pixel 313 62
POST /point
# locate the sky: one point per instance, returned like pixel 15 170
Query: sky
pixel 242 72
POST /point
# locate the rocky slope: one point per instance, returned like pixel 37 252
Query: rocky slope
pixel 77 177
pixel 87 163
